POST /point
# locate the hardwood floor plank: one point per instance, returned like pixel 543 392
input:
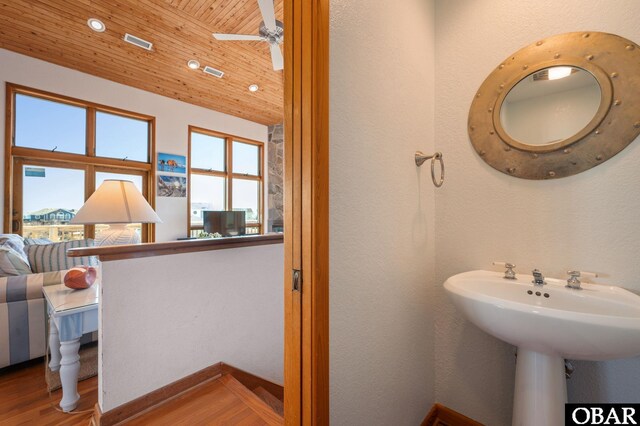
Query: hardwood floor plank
pixel 212 403
pixel 224 401
pixel 24 399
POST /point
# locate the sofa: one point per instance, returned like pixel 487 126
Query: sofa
pixel 26 265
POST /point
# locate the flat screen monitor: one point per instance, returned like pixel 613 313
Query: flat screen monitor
pixel 225 223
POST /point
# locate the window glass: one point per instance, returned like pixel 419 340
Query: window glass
pixel 102 176
pixel 44 124
pixel 246 197
pixel 246 158
pixel 51 197
pixel 207 193
pixel 207 152
pixel 137 181
pixel 122 137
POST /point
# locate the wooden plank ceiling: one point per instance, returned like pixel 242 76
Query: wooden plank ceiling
pixel 56 31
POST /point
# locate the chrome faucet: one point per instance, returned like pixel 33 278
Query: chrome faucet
pixel 538 278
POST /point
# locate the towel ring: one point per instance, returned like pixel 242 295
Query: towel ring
pixel 421 158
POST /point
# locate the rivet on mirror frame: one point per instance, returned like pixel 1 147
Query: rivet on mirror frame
pixel 614 74
pixel 586 35
pixel 472 128
pixel 617 102
pixel 490 110
pixel 556 56
pixel 599 157
pixel 636 124
pixel 511 170
pixel 567 151
pixel 507 148
pixel 492 132
pixel 630 47
pixel 477 95
pixel 539 43
pixel 597 132
pixel 551 173
pixel 524 67
pixel 501 66
pixel 589 57
pixel 534 155
pixel 482 153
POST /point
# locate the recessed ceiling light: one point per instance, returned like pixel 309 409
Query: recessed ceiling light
pixel 96 25
pixel 253 88
pixel 193 64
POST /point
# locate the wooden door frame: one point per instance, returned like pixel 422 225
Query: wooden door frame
pixel 306 80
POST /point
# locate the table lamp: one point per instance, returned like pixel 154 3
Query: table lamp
pixel 116 203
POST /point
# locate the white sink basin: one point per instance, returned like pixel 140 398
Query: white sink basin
pixel 598 322
pixel 548 323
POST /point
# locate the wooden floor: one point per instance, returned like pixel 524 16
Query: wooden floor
pixel 24 399
pixel 224 401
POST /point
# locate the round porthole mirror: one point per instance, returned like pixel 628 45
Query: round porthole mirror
pixel 558 107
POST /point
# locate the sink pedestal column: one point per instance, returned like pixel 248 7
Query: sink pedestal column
pixel 540 391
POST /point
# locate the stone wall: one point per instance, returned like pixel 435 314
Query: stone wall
pixel 275 201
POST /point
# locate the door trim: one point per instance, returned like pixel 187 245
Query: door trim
pixel 306 80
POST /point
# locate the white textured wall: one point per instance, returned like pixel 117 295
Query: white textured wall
pixel 589 221
pixel 172 118
pixel 163 318
pixel 381 214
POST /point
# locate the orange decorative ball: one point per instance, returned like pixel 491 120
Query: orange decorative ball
pixel 80 277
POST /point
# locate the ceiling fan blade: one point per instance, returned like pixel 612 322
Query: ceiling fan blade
pixel 268 14
pixel 241 37
pixel 276 57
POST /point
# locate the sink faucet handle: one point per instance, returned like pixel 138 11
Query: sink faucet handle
pixel 509 273
pixel 574 278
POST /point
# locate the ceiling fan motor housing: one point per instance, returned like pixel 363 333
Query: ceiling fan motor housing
pixel 273 37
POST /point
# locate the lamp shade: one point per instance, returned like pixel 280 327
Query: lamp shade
pixel 116 201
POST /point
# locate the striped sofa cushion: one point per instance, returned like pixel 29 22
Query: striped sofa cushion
pixel 53 257
pixel 27 287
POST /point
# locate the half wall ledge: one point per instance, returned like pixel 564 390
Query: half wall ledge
pixel 132 251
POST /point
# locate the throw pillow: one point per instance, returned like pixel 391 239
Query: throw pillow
pixel 53 257
pixel 37 241
pixel 11 262
pixel 16 242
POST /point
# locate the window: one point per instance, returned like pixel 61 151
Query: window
pixel 225 173
pixel 60 150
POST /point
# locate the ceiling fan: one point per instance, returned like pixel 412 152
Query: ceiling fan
pixel 270 30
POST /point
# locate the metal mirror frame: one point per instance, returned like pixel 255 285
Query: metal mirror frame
pixel 614 62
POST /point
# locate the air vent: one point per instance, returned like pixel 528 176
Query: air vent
pixel 213 71
pixel 138 41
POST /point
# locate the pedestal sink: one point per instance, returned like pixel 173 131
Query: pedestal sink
pixel 548 324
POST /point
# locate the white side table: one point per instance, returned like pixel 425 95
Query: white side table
pixel 73 313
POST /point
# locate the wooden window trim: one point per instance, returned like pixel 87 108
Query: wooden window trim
pixel 227 174
pixel 16 156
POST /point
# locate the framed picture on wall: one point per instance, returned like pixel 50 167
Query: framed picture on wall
pixel 172 163
pixel 172 186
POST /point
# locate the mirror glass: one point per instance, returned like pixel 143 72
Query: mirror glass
pixel 550 105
